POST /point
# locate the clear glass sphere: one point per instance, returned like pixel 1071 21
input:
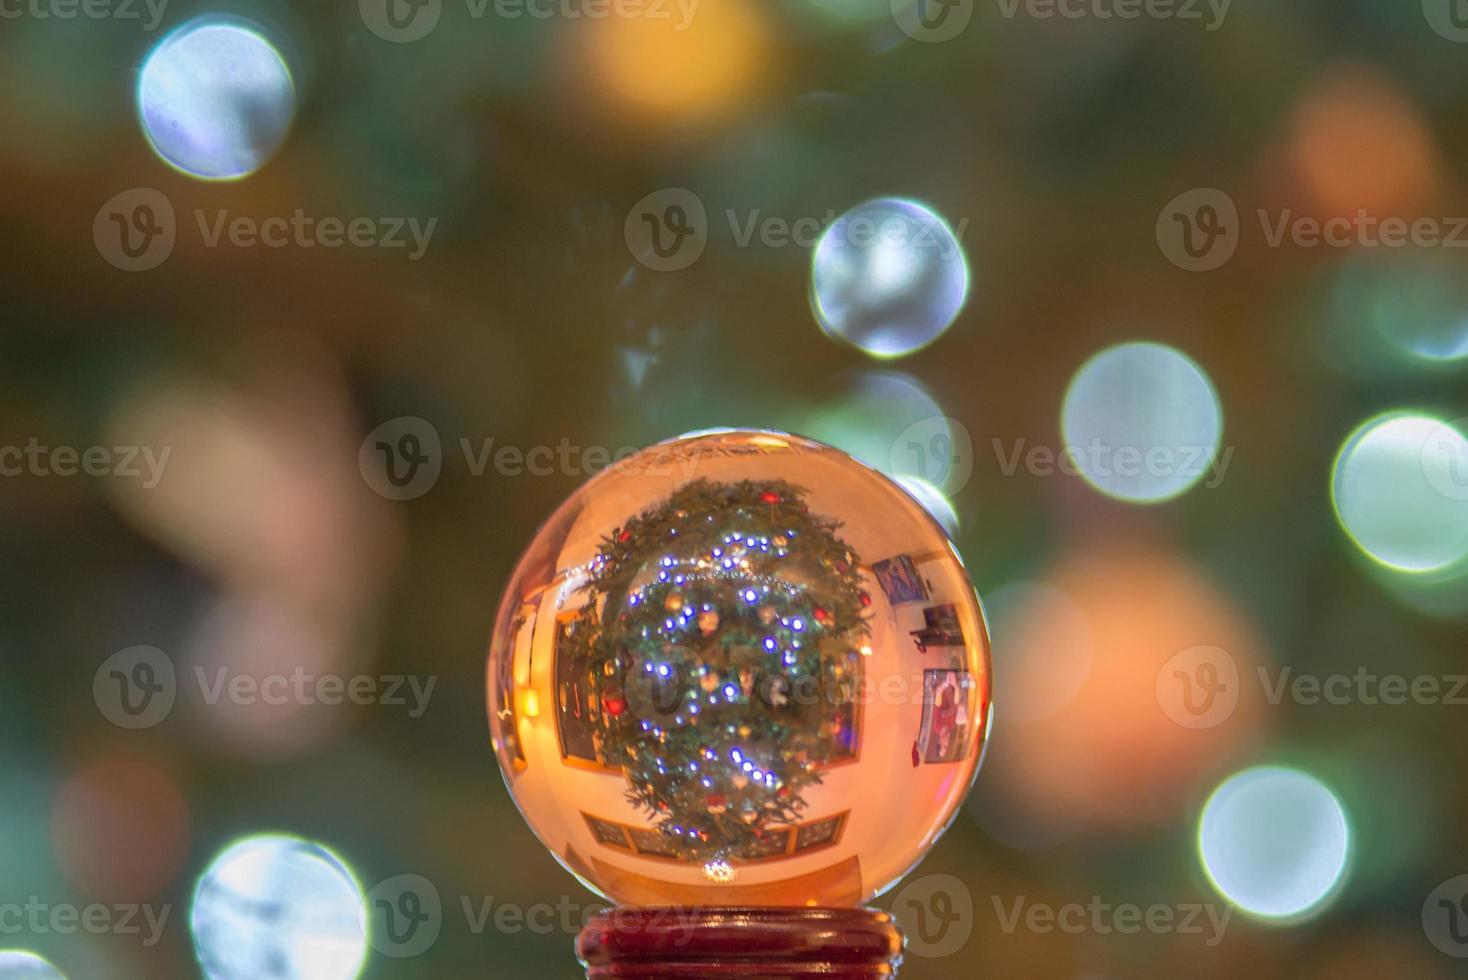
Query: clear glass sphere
pixel 739 668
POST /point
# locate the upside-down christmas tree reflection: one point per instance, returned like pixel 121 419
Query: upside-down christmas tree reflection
pixel 725 630
pixel 739 669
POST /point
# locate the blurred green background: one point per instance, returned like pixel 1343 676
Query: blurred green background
pixel 1055 145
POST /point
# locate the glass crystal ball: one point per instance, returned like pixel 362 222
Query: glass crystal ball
pixel 739 668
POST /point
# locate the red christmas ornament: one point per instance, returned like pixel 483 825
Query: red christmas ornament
pixel 770 497
pixel 624 537
pixel 866 599
pixel 613 703
pixel 822 615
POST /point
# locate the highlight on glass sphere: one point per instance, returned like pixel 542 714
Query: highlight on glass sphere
pixel 216 99
pixel 278 906
pixel 17 964
pixel 739 668
pixel 888 277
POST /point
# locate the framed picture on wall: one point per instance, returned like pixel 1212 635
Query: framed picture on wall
pixel 898 576
pixel 943 734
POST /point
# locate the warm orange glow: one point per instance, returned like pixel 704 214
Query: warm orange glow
pixel 120 829
pixel 530 704
pixel 1358 142
pixel 1110 755
pixel 697 66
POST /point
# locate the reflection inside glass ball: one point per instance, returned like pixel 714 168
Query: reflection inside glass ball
pixel 888 277
pixel 215 99
pixel 739 667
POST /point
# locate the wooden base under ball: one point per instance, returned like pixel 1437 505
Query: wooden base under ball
pixel 634 943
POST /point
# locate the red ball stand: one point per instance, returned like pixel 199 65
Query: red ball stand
pixel 631 943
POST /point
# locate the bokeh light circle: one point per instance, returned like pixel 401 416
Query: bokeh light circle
pixel 933 501
pixel 1142 422
pixel 216 99
pixel 17 964
pixel 1274 842
pixel 888 277
pixel 277 906
pixel 1400 490
pixel 1416 302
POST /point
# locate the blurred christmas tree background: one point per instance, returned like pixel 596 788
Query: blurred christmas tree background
pixel 534 337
